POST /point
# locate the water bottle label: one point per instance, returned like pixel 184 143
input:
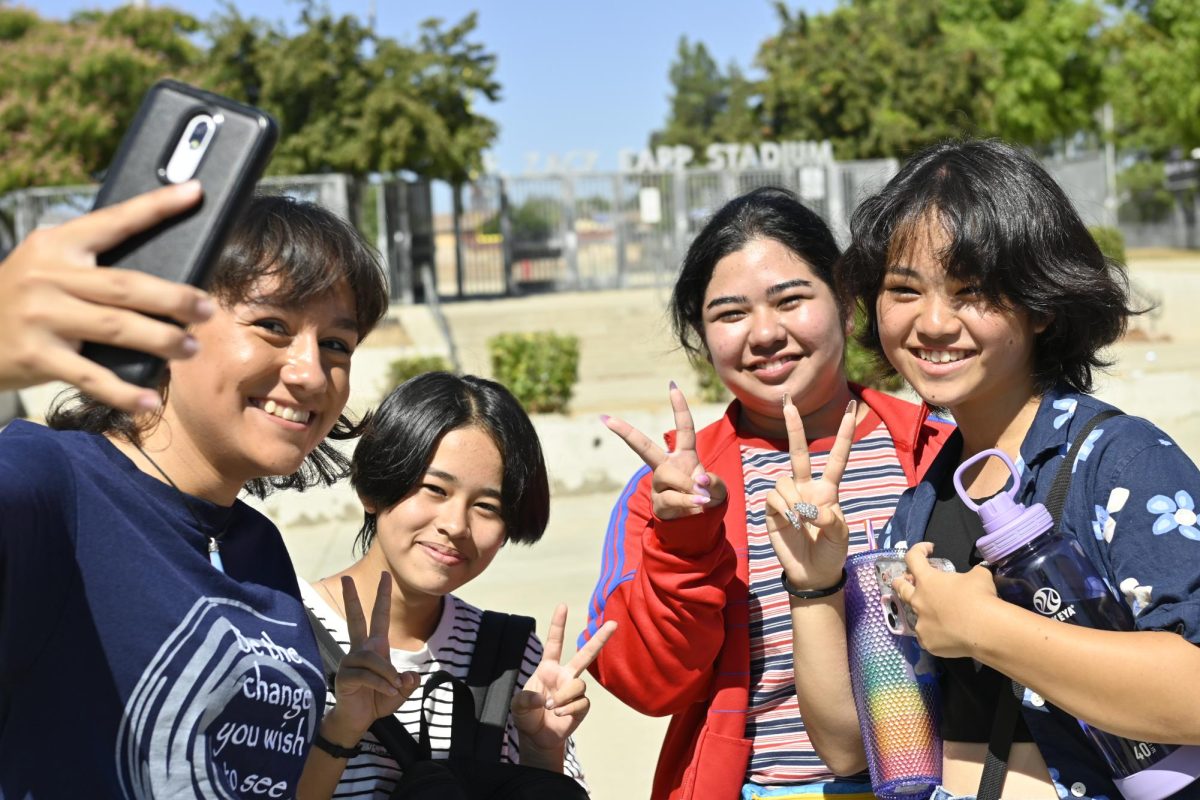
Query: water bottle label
pixel 1048 602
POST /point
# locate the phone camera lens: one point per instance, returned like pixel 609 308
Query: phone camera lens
pixel 198 134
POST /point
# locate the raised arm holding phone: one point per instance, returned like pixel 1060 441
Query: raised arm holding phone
pixel 52 299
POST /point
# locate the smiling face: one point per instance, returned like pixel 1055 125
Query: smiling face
pixel 957 350
pixel 772 327
pixel 449 527
pixel 266 386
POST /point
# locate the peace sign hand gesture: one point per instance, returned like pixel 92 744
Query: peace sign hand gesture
pixel 805 522
pixel 553 702
pixel 367 686
pixel 680 486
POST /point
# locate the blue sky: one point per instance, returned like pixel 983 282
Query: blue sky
pixel 576 75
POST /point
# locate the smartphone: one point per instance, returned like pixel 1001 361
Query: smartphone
pixel 899 616
pixel 181 132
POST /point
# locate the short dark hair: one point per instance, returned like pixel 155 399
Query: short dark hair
pixel 1013 233
pixel 311 250
pixel 768 212
pixel 399 439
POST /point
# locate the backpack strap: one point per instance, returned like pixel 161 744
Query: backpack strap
pixel 1057 499
pixel 495 666
pixel 1008 705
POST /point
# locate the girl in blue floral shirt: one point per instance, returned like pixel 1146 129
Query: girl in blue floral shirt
pixel 983 288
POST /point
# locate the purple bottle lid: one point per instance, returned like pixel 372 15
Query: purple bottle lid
pixel 1007 524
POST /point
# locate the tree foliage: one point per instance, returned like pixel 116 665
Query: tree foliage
pixel 884 77
pixel 351 101
pixel 1154 75
pixel 699 94
pixel 69 89
pixel 347 99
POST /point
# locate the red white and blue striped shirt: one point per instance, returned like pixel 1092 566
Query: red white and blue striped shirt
pixel 873 481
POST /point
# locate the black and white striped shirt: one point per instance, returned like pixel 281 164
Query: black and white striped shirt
pixel 374 773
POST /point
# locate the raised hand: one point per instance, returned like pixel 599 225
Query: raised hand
pixel 553 701
pixel 805 522
pixel 680 485
pixel 50 301
pixel 367 686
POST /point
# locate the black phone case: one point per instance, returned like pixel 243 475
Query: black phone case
pixel 183 248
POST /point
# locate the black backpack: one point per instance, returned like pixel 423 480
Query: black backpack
pixel 479 719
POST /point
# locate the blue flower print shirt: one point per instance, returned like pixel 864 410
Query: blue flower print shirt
pixel 1133 508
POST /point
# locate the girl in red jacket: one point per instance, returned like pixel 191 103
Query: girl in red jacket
pixel 688 570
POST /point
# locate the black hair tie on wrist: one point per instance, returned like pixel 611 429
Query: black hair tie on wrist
pixel 812 594
pixel 335 750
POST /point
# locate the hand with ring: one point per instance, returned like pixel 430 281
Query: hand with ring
pixel 805 522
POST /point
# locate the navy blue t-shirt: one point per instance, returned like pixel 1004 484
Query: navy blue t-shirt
pixel 130 666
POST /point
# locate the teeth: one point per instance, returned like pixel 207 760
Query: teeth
pixel 779 362
pixel 941 356
pixel 283 412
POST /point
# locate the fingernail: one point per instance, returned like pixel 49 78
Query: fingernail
pixel 150 401
pixel 188 187
pixel 784 403
pixel 204 307
pixel 700 491
pixel 703 480
pixel 605 418
pixel 700 500
pixel 550 704
pixel 674 386
pixel 190 346
pixel 851 407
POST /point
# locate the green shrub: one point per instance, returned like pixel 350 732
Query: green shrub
pixel 1111 242
pixel 711 389
pixel 402 369
pixel 862 366
pixel 540 369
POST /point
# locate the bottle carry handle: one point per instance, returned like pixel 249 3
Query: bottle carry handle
pixel 980 456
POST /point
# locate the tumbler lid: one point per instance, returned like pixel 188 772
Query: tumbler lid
pixel 1007 524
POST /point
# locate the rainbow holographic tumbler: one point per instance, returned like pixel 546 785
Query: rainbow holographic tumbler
pixel 895 690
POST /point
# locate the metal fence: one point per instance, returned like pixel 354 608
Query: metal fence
pixel 576 231
pixel 612 230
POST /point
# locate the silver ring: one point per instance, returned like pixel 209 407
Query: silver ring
pixel 806 511
pixel 792 519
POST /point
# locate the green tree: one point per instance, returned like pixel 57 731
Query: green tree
pixel 1144 196
pixel 740 120
pixel 351 101
pixel 1153 75
pixel 699 95
pixel 884 77
pixel 69 89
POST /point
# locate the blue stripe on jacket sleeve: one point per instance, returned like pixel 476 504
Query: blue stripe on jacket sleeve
pixel 613 558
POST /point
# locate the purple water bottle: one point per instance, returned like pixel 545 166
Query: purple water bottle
pixel 1045 572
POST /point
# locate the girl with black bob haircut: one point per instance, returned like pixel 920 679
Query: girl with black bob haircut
pixel 985 291
pixel 449 469
pixel 400 437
